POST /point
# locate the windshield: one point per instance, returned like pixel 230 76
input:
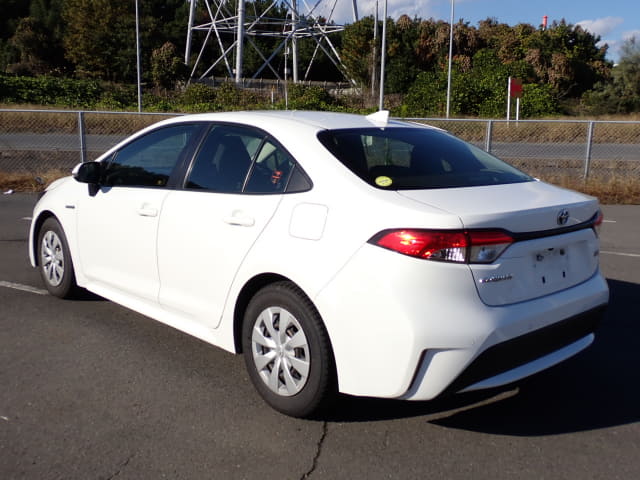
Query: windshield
pixel 416 158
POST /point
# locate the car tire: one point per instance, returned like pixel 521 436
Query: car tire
pixel 291 364
pixel 54 260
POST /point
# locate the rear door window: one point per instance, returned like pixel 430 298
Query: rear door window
pixel 271 170
pixel 237 159
pixel 224 159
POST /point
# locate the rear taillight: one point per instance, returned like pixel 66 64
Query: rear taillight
pixel 482 246
pixel 597 223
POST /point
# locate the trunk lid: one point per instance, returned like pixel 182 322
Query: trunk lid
pixel 552 259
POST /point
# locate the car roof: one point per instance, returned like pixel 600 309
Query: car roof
pixel 313 119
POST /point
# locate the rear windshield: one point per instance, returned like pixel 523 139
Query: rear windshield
pixel 416 158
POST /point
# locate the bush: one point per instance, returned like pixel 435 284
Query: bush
pixel 537 101
pixel 480 92
pixel 427 97
pixel 117 97
pixel 198 94
pixel 304 97
pixel 46 90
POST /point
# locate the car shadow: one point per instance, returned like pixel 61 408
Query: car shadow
pixel 598 388
pixel 83 295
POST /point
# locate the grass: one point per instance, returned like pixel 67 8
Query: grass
pixel 611 190
pixel 26 182
pixel 67 122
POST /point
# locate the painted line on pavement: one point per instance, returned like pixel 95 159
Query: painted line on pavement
pixel 24 288
pixel 637 255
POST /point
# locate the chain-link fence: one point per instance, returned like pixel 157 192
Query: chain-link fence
pixel 556 148
pixel 35 141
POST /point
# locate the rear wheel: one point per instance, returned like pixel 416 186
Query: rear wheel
pixel 54 259
pixel 287 351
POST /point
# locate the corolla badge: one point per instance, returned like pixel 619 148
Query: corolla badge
pixel 496 278
pixel 563 217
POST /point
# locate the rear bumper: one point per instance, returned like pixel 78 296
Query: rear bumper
pixel 527 354
pixel 414 329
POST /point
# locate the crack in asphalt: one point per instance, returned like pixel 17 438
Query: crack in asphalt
pixel 314 465
pixel 124 464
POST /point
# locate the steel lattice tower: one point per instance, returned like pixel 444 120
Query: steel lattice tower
pixel 303 21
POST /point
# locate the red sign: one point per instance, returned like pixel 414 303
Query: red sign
pixel 515 87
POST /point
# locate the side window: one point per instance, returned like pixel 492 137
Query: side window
pixel 224 159
pixel 148 161
pixel 271 170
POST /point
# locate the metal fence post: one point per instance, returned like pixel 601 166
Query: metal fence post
pixel 587 160
pixel 489 134
pixel 83 146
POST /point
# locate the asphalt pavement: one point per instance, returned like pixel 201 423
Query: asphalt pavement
pixel 90 390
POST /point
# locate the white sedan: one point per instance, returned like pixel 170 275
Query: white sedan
pixel 339 253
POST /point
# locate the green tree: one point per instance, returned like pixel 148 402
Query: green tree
pixel 566 57
pixel 100 38
pixel 37 40
pixel 402 68
pixel 30 41
pixel 357 50
pixel 622 93
pixel 480 91
pixel 11 11
pixel 166 67
pixel 628 70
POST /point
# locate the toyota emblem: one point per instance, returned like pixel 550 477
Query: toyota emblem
pixel 563 217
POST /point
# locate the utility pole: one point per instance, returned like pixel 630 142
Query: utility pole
pixel 450 62
pixel 375 52
pixel 138 58
pixel 383 56
pixel 294 40
pixel 240 40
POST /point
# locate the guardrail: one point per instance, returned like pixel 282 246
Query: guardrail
pixel 37 140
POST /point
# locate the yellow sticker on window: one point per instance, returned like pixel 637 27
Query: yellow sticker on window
pixel 383 181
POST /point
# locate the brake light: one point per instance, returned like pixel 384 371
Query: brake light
pixel 445 245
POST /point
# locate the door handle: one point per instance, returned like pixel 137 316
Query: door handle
pixel 147 211
pixel 239 218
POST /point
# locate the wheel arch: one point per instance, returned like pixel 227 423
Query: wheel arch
pixel 37 225
pixel 248 291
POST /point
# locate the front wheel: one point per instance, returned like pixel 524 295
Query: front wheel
pixel 54 260
pixel 287 351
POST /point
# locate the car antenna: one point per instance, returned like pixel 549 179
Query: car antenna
pixel 379 118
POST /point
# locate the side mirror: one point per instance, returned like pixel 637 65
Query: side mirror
pixel 89 172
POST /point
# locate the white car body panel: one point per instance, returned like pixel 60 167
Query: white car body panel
pixel 539 267
pixel 118 220
pixel 517 207
pixel 396 316
pixel 213 231
pixel 400 327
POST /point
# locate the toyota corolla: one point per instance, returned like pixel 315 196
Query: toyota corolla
pixel 338 253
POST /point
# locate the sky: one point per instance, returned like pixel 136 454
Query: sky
pixel 613 20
